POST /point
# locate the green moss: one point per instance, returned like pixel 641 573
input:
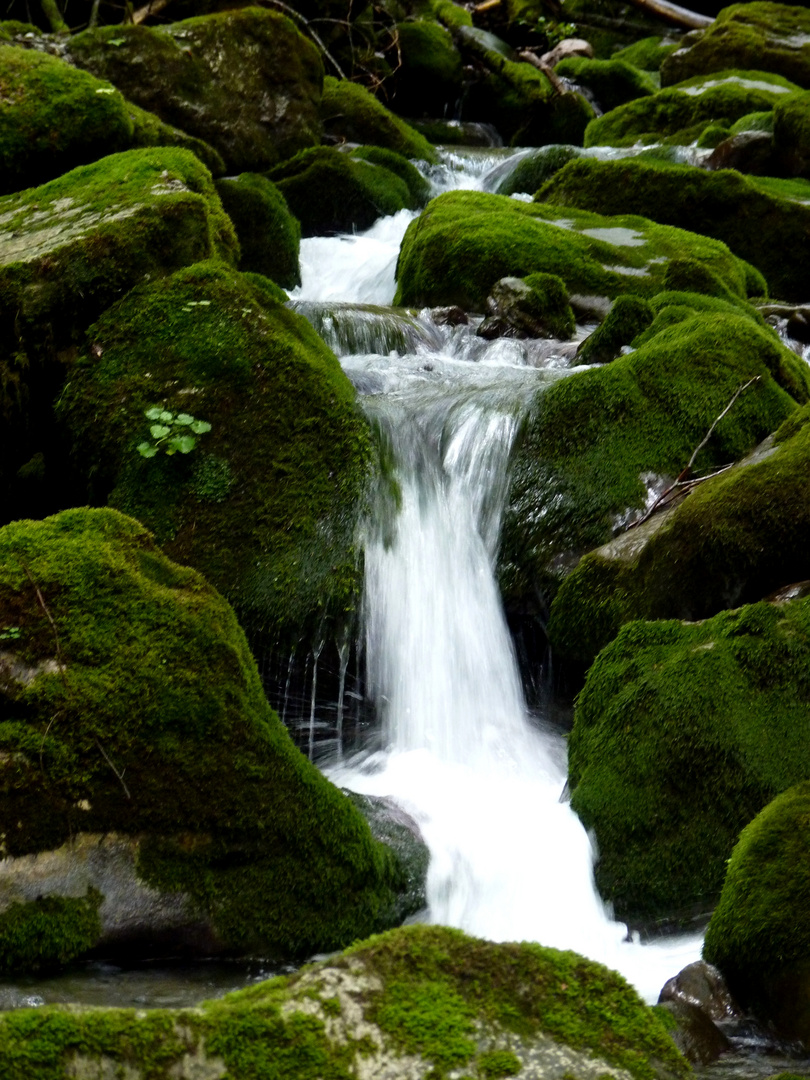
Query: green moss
pixel 647 54
pixel 194 76
pixel 628 317
pixel 54 118
pixel 329 191
pixel 119 729
pixel 498 1063
pixel 269 235
pixel 595 438
pixel 350 111
pixel 791 134
pixel 48 932
pixel 536 167
pixel 548 302
pixel 757 36
pixel 736 538
pixel 758 218
pixel 12 28
pixel 417 185
pixel 451 15
pixel 148 130
pixel 681 112
pixel 612 82
pixel 428 79
pixel 465 241
pixel 757 121
pixel 681 734
pixel 286 434
pixel 712 136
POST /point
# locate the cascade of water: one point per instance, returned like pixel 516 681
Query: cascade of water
pixel 509 860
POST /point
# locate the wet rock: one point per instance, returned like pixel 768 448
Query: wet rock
pixel 697 1038
pixel 535 307
pixel 627 318
pixel 701 985
pixel 565 49
pixel 449 316
pixel 749 152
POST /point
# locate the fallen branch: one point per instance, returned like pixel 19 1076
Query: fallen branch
pixel 684 481
pixel 674 14
pixel 535 61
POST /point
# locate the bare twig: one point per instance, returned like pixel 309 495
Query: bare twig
pixel 109 761
pixel 683 481
pixel 535 61
pixel 674 14
pixel 154 7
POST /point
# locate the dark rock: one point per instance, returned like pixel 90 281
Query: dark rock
pixel 701 985
pixel 535 307
pixel 749 152
pixel 697 1038
pixel 449 316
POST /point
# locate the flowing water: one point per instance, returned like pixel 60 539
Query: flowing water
pixel 509 858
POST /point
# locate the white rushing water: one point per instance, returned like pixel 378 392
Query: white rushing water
pixel 509 859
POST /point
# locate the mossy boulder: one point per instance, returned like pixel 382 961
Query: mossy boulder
pixel 351 112
pixel 69 250
pixel 756 36
pixel 265 503
pixel 428 80
pixel 599 442
pixel 627 318
pixel 682 733
pixel 330 192
pixel 758 934
pixel 465 241
pixel 737 538
pixel 535 306
pixel 759 219
pixel 535 167
pixel 269 235
pixel 112 723
pixel 417 185
pixel 245 81
pixel 420 1001
pixel 791 134
pixel 679 113
pixel 612 82
pixel 648 54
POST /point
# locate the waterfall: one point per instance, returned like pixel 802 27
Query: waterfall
pixel 509 859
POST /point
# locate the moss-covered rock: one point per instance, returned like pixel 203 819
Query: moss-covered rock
pixel 245 81
pixel 757 36
pixel 758 934
pixel 110 722
pixel 759 220
pixel 330 192
pixel 628 316
pixel 48 932
pixel 536 306
pixel 269 235
pixel 417 185
pixel 599 442
pixel 680 113
pixel 465 241
pixel 421 1001
pixel 351 112
pixel 681 734
pixel 71 248
pixel 265 504
pixel 428 80
pixel 735 539
pixel 537 166
pixel 791 134
pixel 647 54
pixel 612 82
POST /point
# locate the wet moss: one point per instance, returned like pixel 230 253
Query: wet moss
pixel 628 317
pixel 109 724
pixel 269 235
pixel 735 539
pixel 417 185
pixel 464 242
pixel 758 218
pixel 329 191
pixel 612 82
pixel 679 113
pixel 350 111
pixel 537 167
pixel 278 540
pixel 48 932
pixel 757 121
pixel 548 303
pixel 791 134
pixel 647 54
pixel 757 37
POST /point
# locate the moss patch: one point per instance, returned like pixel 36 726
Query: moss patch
pixel 352 112
pixel 48 932
pixel 628 317
pixel 612 82
pixel 647 54
pixel 269 235
pixel 681 734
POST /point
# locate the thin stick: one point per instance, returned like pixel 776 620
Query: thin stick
pixel 674 14
pixel 109 761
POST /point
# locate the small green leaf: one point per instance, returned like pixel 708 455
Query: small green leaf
pixel 184 443
pixel 154 413
pixel 159 431
pixel 166 417
pixel 146 449
pixel 183 418
pixel 199 427
pixel 117 41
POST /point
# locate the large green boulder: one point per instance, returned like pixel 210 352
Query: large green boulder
pixel 58 118
pixel 612 82
pixel 71 248
pixel 269 235
pixel 759 220
pixel 265 502
pixel 736 538
pixel 428 78
pixel 417 1002
pixel 131 704
pixel 245 81
pixel 679 113
pixel 682 733
pixel 351 112
pixel 758 934
pixel 755 36
pixel 598 444
pixel 330 191
pixel 465 241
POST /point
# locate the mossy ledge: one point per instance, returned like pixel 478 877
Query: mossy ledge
pixel 427 1000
